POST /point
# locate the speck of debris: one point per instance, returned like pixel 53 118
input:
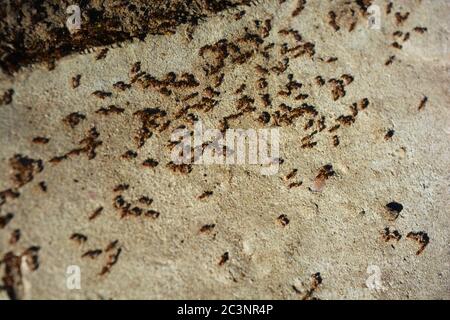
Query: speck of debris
pixel 394 209
pixel 283 220
pixel 43 186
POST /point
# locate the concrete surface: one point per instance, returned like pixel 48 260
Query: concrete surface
pixel 337 232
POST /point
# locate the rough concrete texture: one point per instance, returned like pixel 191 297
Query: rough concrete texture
pixel 63 157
